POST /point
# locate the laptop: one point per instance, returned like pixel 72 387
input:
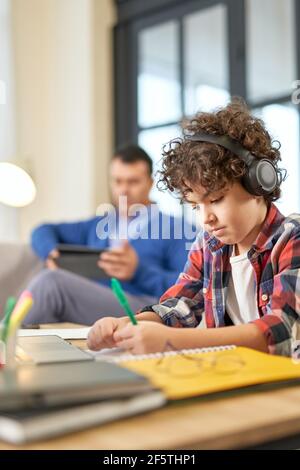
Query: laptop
pixel 48 350
pixel 29 386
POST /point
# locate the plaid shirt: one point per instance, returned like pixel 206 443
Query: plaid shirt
pixel 202 287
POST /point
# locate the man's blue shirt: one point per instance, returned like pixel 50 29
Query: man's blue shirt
pixel 162 248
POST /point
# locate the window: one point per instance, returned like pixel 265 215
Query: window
pixel 152 141
pixel 206 75
pixel 272 68
pixel 271 48
pixel 191 55
pixel 282 121
pixel 158 75
pixel 172 82
pixel 159 97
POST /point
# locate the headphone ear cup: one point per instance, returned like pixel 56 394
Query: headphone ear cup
pixel 246 182
pixel 249 180
pixel 261 177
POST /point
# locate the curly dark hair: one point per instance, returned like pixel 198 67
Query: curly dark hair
pixel 187 163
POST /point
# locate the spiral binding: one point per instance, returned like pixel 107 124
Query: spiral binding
pixel 142 357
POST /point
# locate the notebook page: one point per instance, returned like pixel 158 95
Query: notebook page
pixel 118 355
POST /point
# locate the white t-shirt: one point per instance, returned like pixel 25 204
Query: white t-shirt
pixel 241 304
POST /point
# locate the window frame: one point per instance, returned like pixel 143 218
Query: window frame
pixel 130 23
pixel 134 16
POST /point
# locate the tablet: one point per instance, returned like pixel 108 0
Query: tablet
pixel 81 260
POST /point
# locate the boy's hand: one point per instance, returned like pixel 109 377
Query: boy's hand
pixel 146 337
pixel 101 334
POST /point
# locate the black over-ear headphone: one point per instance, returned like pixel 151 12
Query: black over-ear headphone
pixel 261 177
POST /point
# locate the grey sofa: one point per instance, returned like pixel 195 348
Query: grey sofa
pixel 18 264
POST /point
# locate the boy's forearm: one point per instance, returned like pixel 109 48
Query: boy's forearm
pixel 149 316
pixel 144 316
pixel 247 335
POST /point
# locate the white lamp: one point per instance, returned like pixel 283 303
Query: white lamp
pixel 17 188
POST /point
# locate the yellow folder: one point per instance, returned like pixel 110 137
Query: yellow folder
pixel 189 373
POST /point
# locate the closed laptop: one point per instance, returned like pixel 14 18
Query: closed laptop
pixel 31 386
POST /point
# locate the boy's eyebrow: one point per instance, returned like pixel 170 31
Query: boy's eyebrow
pixel 203 197
pixel 209 193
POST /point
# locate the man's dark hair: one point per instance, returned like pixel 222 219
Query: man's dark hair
pixel 132 154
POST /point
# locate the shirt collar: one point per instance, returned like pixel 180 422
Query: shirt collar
pixel 273 221
pixel 264 240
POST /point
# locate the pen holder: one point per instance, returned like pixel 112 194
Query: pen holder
pixel 8 351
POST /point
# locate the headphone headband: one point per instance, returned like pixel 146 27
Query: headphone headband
pixel 226 142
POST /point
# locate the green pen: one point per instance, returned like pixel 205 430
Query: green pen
pixel 9 307
pixel 119 293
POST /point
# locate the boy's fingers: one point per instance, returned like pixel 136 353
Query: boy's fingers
pixel 127 344
pixel 125 333
pixel 107 331
pixel 108 343
pixel 93 340
pixel 108 338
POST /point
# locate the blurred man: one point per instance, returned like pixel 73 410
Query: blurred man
pixel 147 260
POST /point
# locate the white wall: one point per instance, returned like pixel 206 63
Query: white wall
pixel 104 18
pixel 56 45
pixel 8 216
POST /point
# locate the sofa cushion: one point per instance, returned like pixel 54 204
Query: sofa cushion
pixel 18 264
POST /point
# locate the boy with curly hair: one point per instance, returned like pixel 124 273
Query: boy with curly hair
pixel 242 278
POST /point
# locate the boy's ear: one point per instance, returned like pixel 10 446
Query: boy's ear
pixel 258 198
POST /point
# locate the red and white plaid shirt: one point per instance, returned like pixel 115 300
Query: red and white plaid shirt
pixel 201 289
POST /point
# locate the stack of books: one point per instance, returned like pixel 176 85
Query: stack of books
pixel 38 402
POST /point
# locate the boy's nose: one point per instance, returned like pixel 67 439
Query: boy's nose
pixel 208 218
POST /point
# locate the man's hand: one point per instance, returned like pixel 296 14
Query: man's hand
pixel 144 338
pixel 101 334
pixel 120 262
pixel 50 261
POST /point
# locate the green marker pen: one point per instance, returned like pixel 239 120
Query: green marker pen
pixel 119 293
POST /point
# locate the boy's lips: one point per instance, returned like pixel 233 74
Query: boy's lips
pixel 218 230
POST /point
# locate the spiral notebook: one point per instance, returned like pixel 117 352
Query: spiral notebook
pixel 195 372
